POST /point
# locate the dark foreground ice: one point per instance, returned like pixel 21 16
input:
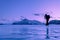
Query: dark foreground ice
pixel 29 32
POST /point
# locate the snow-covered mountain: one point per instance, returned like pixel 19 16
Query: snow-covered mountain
pixel 27 22
pixel 54 22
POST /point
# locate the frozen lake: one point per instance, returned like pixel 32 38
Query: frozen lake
pixel 29 32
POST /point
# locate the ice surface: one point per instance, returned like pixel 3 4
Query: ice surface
pixel 29 32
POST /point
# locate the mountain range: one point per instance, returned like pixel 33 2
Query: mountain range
pixel 31 22
pixel 27 22
pixel 54 22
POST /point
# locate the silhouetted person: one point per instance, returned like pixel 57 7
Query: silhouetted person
pixel 47 17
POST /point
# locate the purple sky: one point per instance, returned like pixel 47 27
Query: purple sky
pixel 11 10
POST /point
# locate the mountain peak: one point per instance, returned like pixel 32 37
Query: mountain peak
pixel 27 22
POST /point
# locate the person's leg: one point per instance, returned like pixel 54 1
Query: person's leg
pixel 47 22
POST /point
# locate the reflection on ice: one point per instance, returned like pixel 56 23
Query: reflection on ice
pixel 29 32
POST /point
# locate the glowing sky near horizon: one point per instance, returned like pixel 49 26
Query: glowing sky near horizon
pixel 11 10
